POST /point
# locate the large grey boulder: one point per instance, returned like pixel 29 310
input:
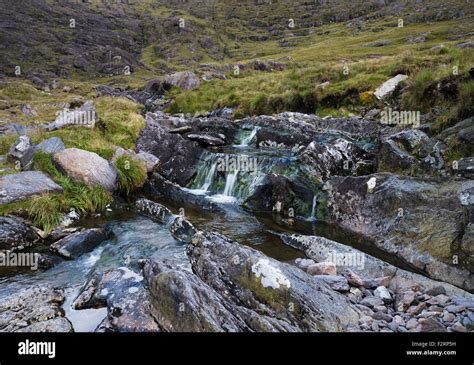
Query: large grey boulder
pixel 34 309
pixel 24 185
pixel 15 234
pixel 21 152
pixel 87 167
pixel 421 221
pixel 79 243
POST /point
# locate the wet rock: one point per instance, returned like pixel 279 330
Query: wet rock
pixel 79 243
pixel 34 309
pixel 246 277
pixel 178 156
pixel 389 86
pixel 87 167
pixel 182 229
pixel 21 152
pixel 183 303
pixel 276 193
pixel 336 282
pixel 185 80
pixel 15 234
pixel 153 210
pixel 383 293
pixel 430 325
pixel 157 185
pixel 322 268
pixel 25 185
pixel 128 303
pixel 50 145
pixel 413 218
pixel 206 139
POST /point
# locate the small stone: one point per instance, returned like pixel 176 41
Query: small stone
pixel 404 300
pixel 322 268
pixel 437 290
pixel 371 302
pixel 415 310
pixel 375 327
pixel 303 263
pixel 353 278
pixel 412 323
pixel 335 282
pixel 398 319
pixel 374 283
pixel 435 308
pixel 383 293
pixel 458 327
pixel 449 317
pixel 381 308
pixel 440 299
pixel 455 308
pixel 380 316
pixel 431 325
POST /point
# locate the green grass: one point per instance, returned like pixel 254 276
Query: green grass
pixel 132 173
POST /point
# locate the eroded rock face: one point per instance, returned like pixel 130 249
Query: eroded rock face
pixel 178 156
pixel 25 185
pixel 87 167
pixel 78 243
pixel 35 309
pixel 273 289
pixel 420 220
pixel 276 193
pixel 128 304
pixel 15 234
pixel 340 157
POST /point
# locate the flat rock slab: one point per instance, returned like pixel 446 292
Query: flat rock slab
pixel 79 243
pixel 24 185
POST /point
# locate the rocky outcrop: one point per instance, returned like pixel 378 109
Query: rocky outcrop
pixel 15 234
pixel 178 156
pixel 78 243
pixel 25 185
pixel 411 152
pixel 421 221
pixel 339 157
pixel 283 296
pixel 35 309
pixel 206 139
pixel 87 167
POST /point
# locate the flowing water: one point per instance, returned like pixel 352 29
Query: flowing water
pixel 227 177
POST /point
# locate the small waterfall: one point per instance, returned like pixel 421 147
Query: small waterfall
pixel 246 141
pixel 230 181
pixel 313 209
pixel 209 178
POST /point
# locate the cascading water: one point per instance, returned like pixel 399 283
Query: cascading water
pixel 209 178
pixel 230 183
pixel 247 140
pixel 313 209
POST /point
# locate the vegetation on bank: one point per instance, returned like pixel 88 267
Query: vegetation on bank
pixel 132 174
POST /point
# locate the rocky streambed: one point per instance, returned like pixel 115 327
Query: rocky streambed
pixel 272 223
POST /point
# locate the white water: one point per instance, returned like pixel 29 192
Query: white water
pixel 226 196
pixel 209 178
pixel 313 209
pixel 246 141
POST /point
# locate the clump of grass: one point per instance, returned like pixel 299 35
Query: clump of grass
pixel 465 107
pixel 132 173
pixel 47 211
